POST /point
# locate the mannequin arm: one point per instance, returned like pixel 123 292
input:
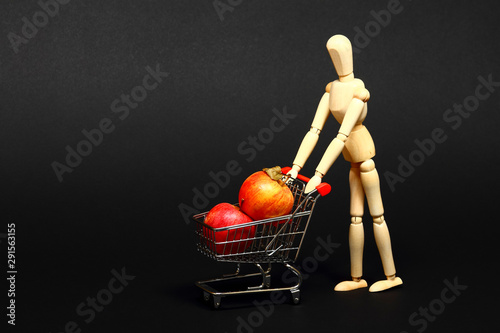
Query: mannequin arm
pixel 311 137
pixel 337 145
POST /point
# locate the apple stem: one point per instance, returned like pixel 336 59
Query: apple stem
pixel 275 174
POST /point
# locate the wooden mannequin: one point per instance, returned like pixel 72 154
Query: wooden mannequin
pixel 346 99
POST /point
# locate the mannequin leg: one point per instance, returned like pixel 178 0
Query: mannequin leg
pixel 371 186
pixel 356 232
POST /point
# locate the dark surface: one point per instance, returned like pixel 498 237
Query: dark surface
pixel 119 208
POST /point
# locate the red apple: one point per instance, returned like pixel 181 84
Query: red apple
pixel 263 195
pixel 224 215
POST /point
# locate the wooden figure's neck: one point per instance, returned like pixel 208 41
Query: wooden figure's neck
pixel 346 78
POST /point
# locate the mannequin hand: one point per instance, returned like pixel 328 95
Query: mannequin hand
pixel 292 173
pixel 311 185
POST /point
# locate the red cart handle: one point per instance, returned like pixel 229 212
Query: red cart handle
pixel 323 188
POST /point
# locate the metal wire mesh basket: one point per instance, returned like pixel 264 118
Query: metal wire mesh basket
pixel 273 240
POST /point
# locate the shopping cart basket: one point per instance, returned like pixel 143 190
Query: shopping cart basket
pixel 268 241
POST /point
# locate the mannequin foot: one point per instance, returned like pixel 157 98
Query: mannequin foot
pixel 351 285
pixel 382 285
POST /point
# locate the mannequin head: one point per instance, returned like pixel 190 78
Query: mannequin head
pixel 340 50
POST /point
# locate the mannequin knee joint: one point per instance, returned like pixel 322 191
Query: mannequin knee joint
pixel 356 220
pixel 379 219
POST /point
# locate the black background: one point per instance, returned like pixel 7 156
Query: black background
pixel 120 206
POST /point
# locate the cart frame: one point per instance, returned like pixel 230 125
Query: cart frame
pixel 268 241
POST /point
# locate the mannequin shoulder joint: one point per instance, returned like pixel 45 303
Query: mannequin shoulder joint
pixel 328 87
pixel 362 94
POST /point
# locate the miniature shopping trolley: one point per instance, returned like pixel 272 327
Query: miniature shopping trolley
pixel 262 242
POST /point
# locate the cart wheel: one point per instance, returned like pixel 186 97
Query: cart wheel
pixel 216 303
pixel 206 296
pixel 295 296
